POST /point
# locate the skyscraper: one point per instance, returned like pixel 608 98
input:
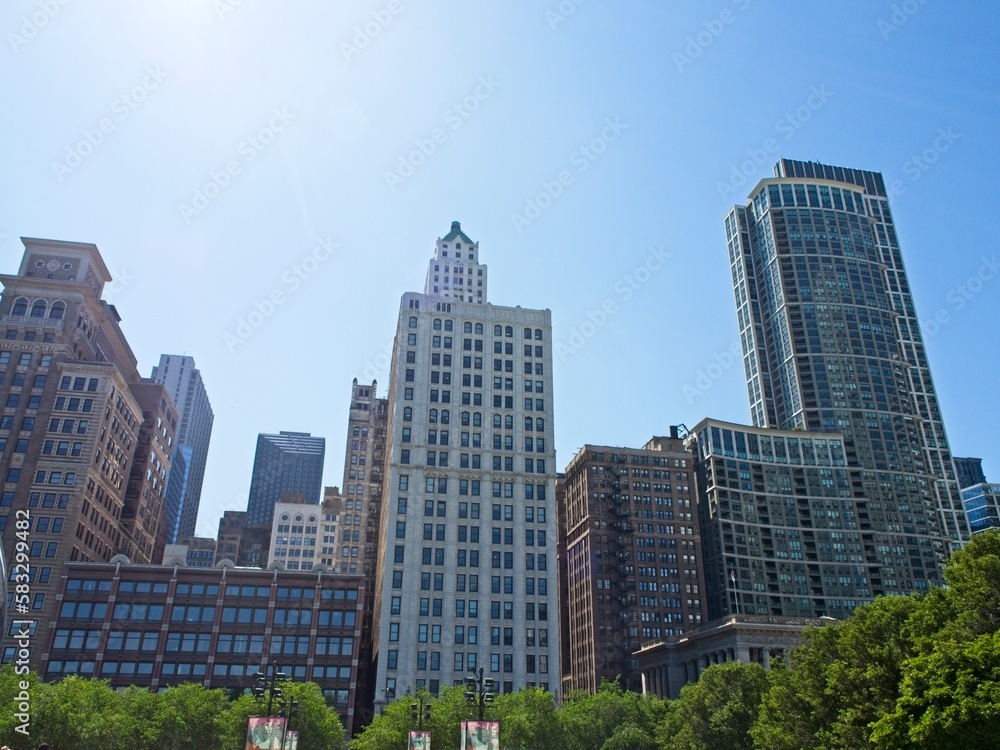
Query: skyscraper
pixel 466 565
pixel 633 557
pixel 145 513
pixel 194 432
pixel 970 471
pixel 832 344
pixel 355 549
pixel 70 423
pixel 286 462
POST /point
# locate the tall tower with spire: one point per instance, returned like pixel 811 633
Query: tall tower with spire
pixel 455 271
pixel 466 565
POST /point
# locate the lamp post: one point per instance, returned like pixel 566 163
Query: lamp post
pixel 262 685
pixel 479 691
pixel 289 710
pixel 419 713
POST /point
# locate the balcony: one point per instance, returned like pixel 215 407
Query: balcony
pixel 32 321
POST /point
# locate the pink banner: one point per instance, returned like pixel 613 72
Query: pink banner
pixel 264 732
pixel 419 741
pixel 480 735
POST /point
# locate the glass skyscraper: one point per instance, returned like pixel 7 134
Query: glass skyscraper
pixel 831 344
pixel 286 462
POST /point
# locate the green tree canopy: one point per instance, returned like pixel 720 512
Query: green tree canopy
pixel 716 712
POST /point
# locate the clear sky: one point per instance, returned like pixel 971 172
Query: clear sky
pixel 209 147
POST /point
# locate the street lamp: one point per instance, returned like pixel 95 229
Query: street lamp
pixel 263 686
pixel 289 710
pixel 479 690
pixel 418 715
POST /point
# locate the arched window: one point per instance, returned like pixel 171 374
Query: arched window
pixel 479 328
pixel 529 424
pixel 58 311
pixel 413 322
pixel 432 417
pixel 20 307
pixel 38 309
pixel 407 414
pixel 508 331
pixel 445 416
pixel 527 333
pixel 508 422
pixel 497 331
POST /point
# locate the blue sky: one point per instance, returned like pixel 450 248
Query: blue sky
pixel 210 147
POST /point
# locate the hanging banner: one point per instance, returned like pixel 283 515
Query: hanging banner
pixel 480 735
pixel 264 732
pixel 419 741
pixel 291 740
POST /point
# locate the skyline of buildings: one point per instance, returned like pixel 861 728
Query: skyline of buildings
pixel 843 488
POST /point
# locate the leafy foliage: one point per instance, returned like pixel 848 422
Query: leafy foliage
pixel 716 712
pixel 89 715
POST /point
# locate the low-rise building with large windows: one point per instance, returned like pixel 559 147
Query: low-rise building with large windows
pixel 155 626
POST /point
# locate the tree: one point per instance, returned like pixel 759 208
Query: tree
pixel 630 737
pixel 949 698
pixel 588 721
pixel 716 712
pixel 842 678
pixel 79 713
pixel 188 716
pixel 387 730
pixel 11 696
pixel 527 720
pixel 318 725
pixel 950 689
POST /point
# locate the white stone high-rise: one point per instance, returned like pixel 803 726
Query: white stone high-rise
pixel 467 569
pixel 455 271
